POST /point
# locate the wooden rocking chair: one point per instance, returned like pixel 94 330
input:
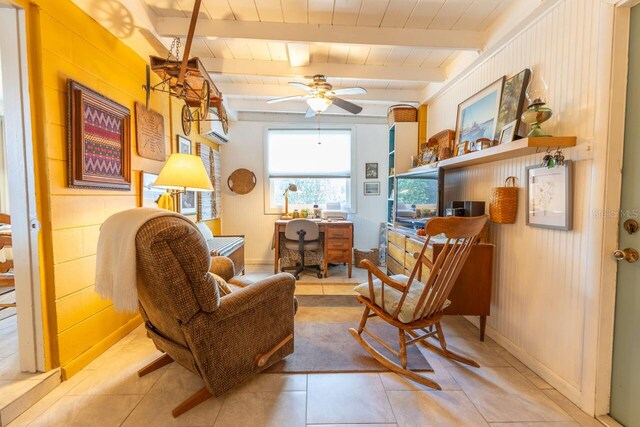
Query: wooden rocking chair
pixel 7 279
pixel 415 308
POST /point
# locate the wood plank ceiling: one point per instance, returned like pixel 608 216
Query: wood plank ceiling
pixel 441 15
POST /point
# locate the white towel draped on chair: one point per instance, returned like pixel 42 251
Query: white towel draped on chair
pixel 116 256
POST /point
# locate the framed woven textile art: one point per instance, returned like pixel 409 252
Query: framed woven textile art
pixel 209 202
pixel 98 140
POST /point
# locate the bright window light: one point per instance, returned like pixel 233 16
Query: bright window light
pixel 319 163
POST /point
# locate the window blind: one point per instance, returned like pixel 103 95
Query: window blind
pixel 302 153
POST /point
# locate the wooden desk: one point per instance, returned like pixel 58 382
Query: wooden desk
pixel 338 243
pixel 471 294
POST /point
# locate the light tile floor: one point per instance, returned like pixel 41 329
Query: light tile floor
pixel 502 392
pixel 13 382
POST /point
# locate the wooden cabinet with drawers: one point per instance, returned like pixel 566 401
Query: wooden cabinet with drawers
pixel 471 294
pixel 338 243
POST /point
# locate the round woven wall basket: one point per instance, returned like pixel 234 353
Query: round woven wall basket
pixel 241 181
pixel 503 202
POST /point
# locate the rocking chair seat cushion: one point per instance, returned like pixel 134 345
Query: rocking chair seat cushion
pixel 392 297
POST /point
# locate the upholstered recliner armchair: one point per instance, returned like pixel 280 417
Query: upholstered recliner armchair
pixel 225 340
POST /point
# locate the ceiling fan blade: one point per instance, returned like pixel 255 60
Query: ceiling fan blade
pixel 350 91
pixel 346 105
pixel 301 86
pixel 310 113
pixel 286 98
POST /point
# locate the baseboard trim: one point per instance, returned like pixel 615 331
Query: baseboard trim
pixel 258 262
pixel 567 389
pixel 30 397
pixel 608 421
pixel 75 365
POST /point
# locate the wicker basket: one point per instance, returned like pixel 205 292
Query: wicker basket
pixel 503 202
pixel 402 113
pixel 371 255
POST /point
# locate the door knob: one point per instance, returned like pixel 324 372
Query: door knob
pixel 628 254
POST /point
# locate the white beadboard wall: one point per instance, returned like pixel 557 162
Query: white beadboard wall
pixel 541 285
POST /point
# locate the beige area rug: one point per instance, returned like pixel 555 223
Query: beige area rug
pixel 323 342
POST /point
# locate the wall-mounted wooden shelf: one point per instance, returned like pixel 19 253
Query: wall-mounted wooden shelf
pixel 509 150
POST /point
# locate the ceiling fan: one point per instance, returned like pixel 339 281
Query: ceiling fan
pixel 321 95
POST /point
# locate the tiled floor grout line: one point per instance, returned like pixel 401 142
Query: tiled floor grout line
pixel 388 400
pixel 143 396
pixel 306 398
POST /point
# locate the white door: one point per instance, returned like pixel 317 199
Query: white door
pixel 20 169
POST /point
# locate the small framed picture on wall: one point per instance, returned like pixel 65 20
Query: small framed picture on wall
pixel 187 205
pixel 508 132
pixel 183 145
pixel 549 199
pixel 371 171
pixel 149 195
pixel 462 148
pixel 372 188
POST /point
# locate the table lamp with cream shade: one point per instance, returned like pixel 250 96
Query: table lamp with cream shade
pixel 181 173
pixel 291 187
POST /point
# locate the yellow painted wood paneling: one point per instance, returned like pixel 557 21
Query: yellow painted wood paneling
pixel 85 358
pixel 56 142
pixel 82 336
pixel 422 124
pixel 65 43
pixel 74 308
pixel 71 276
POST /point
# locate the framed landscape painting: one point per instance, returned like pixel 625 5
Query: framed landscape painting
pixel 98 140
pixel 477 115
pixel 372 188
pixel 512 102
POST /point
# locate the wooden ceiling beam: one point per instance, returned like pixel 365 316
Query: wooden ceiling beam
pixel 322 33
pixel 249 67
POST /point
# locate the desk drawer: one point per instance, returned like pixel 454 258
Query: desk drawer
pixel 339 244
pixel 396 253
pixel 338 232
pixel 335 255
pixel 396 238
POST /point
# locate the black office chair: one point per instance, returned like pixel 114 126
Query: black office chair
pixel 302 235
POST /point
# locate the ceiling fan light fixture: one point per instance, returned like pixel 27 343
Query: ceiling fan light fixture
pixel 319 104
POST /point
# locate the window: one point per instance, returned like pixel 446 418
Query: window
pixel 319 163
